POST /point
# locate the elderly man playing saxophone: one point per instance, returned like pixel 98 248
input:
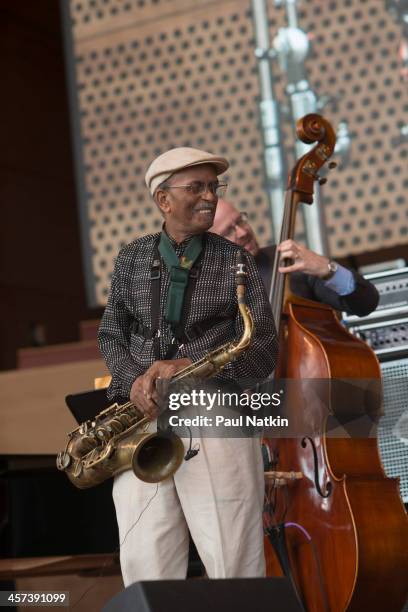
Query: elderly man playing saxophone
pixel 172 301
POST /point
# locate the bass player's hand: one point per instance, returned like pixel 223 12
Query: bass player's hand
pixel 303 260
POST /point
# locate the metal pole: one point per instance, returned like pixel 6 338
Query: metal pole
pixel 274 157
pixel 292 47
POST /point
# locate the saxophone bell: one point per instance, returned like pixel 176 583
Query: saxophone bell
pixel 109 448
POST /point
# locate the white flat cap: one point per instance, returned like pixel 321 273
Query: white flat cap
pixel 177 159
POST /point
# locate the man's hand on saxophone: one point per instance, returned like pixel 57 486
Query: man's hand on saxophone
pixel 144 393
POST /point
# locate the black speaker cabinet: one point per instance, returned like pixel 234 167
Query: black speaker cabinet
pixel 226 595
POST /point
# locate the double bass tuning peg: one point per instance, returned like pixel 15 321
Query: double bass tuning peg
pixel 331 166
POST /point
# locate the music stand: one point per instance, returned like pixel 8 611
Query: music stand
pixel 86 405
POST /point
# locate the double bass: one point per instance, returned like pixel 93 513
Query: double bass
pixel 342 528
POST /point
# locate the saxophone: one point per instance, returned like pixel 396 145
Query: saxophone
pixel 115 440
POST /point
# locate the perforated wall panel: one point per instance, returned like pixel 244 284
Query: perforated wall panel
pixel 150 75
pixel 355 59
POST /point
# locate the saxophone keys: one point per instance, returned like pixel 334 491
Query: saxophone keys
pixel 63 460
pixel 102 434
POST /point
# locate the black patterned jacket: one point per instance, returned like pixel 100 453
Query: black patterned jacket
pixel 129 354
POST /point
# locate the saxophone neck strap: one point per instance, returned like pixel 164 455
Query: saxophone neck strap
pixel 179 270
pixel 179 332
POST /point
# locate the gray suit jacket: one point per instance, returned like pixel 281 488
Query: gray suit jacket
pixel 362 301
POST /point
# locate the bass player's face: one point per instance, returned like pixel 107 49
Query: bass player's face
pixel 234 226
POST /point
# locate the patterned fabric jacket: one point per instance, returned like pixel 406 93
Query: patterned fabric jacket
pixel 128 355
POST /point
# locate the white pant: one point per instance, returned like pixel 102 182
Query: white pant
pixel 217 495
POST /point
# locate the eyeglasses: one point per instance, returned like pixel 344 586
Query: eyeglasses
pixel 231 230
pixel 199 188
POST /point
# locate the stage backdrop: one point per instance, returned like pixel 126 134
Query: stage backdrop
pixel 147 75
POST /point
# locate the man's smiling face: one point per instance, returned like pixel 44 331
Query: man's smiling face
pixel 185 212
